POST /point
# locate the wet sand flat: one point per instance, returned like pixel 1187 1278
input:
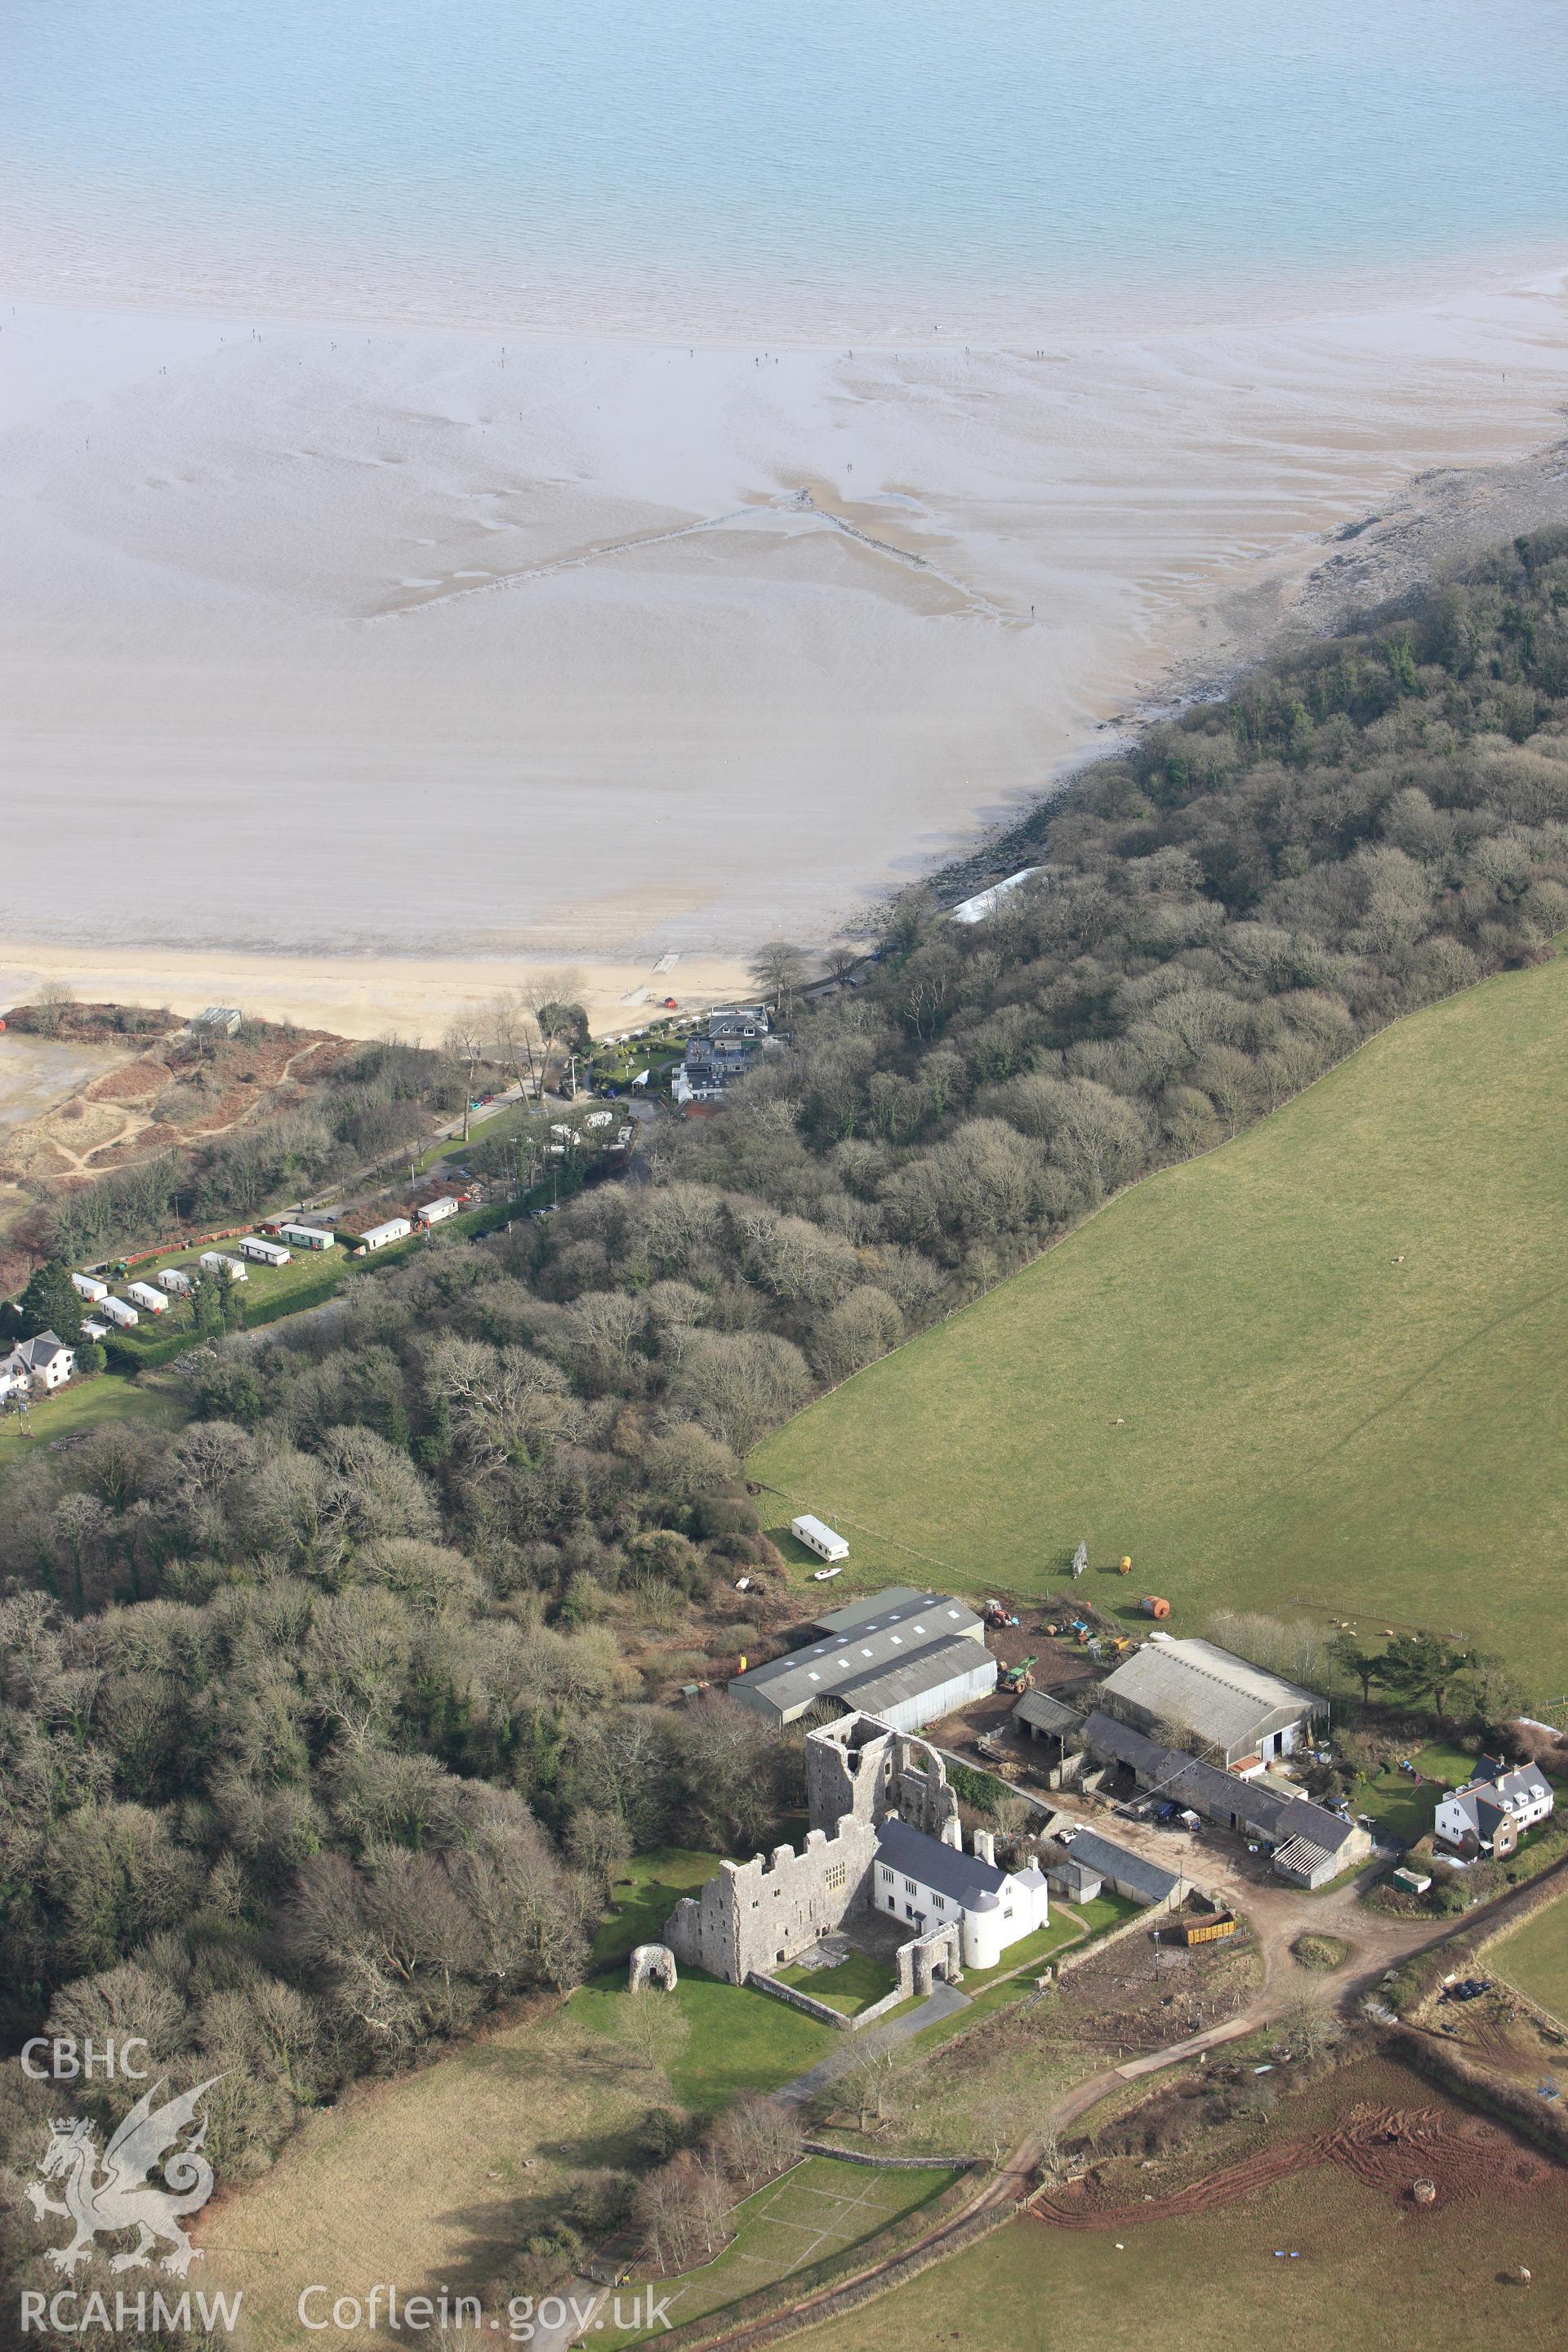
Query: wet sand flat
pixel 339 645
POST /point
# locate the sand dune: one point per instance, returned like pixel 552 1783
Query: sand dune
pixel 364 646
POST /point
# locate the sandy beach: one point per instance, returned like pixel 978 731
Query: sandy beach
pixel 413 997
pixel 343 670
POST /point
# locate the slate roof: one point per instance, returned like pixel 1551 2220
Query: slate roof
pixel 1114 1862
pixel 963 1878
pixel 1207 1691
pixel 32 1355
pixel 1210 1790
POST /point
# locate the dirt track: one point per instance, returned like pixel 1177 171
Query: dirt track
pixel 1278 1914
pixel 1384 2148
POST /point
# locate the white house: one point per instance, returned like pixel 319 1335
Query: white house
pixel 819 1537
pixel 173 1279
pixel 119 1312
pixel 1496 1808
pixel 395 1229
pixel 214 1262
pixel 33 1367
pixel 264 1251
pixel 45 1362
pixel 88 1287
pixel 155 1301
pixel 926 1884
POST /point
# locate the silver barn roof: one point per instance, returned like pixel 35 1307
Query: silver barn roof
pixel 873 1654
pixel 1202 1689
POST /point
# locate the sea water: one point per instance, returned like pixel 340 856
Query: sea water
pixel 886 168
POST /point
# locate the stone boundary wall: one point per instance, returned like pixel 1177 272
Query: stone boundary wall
pixel 889 2001
pixel 801 2001
pixel 896 2163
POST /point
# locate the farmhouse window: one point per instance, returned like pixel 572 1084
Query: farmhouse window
pixel 908 1885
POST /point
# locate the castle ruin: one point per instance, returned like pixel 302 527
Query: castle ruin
pixel 757 1915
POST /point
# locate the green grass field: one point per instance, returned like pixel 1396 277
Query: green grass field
pixel 854 1984
pixel 646 1890
pixel 1369 2274
pixel 1319 1368
pixel 1535 1958
pixel 1404 1808
pixel 816 2211
pixel 86 1404
pixel 740 2039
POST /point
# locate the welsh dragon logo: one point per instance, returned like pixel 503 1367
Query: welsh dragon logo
pixel 102 2197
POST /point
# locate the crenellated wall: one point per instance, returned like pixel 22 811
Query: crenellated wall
pixel 760 1913
pixel 757 1915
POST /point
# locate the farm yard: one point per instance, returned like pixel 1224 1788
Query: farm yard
pixel 1317 1368
pixel 1312 2234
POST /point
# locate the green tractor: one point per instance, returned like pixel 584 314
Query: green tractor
pixel 1019 1677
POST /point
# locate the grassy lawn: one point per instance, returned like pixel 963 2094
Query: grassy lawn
pixel 645 1891
pixel 818 2210
pixel 1403 1808
pixel 437 2177
pixel 854 1984
pixel 432 2177
pixel 1370 2275
pixel 739 2041
pixel 485 1127
pixel 1319 1369
pixel 1535 1958
pixel 1106 1911
pixel 108 1396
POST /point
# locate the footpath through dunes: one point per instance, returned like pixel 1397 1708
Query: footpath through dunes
pixel 1320 1367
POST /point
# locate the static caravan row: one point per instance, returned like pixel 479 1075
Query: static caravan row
pixel 118 1312
pixel 214 1262
pixel 306 1237
pixel 145 1296
pixel 265 1253
pixel 174 1280
pixel 434 1212
pixel 396 1229
pixel 819 1537
pixel 88 1287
